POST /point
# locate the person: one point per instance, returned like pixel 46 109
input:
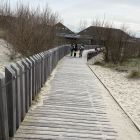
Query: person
pixel 72 49
pixel 75 49
pixel 81 49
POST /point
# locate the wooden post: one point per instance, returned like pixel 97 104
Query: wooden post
pixel 22 88
pixel 4 130
pixel 37 73
pixel 11 99
pixel 42 68
pixel 26 66
pixel 33 77
pixel 30 80
pixel 39 68
pixel 50 61
pixel 46 66
pixel 18 94
pixel 36 76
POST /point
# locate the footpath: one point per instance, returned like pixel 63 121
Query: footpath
pixel 74 105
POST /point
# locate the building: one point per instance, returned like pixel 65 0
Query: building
pixel 65 36
pixel 91 35
pixel 100 34
pixel 61 32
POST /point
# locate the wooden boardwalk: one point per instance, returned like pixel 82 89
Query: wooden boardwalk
pixel 71 107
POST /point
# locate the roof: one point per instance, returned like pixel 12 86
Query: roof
pixel 102 31
pixel 60 28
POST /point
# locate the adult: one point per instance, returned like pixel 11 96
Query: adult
pixel 81 49
pixel 75 49
pixel 72 49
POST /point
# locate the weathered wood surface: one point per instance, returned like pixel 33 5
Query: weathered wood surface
pixel 10 79
pixel 22 89
pixel 17 94
pixel 4 129
pixel 22 83
pixel 72 108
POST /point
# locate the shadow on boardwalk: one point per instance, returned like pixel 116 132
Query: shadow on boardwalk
pixel 75 106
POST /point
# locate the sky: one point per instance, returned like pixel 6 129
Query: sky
pixel 72 12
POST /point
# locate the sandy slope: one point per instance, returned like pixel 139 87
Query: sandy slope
pixel 4 52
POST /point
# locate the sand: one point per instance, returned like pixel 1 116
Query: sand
pixel 5 51
pixel 4 54
pixel 125 91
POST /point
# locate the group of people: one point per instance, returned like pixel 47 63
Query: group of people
pixel 74 49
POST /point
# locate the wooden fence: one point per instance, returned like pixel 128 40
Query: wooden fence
pixel 21 84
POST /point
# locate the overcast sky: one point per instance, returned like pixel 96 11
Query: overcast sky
pixel 74 11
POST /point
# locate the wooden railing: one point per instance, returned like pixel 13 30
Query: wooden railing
pixel 21 84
